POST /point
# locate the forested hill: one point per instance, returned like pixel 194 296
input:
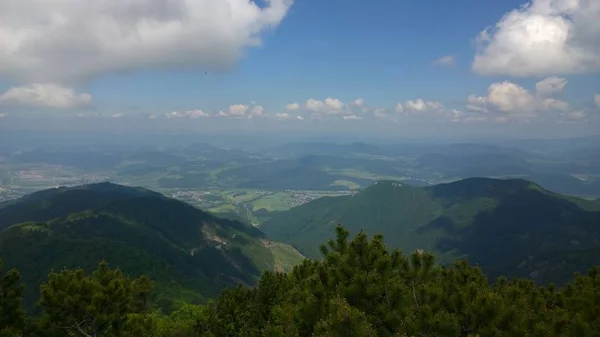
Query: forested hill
pixel 191 255
pixel 62 201
pixel 509 227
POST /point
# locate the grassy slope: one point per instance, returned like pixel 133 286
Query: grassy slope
pixel 500 224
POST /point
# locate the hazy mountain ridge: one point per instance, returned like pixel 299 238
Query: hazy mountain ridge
pixel 511 227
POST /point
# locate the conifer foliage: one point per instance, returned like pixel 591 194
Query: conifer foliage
pixel 12 316
pixel 359 288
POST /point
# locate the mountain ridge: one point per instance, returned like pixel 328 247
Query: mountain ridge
pixel 499 224
pixel 192 255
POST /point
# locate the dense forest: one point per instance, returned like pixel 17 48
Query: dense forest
pixel 358 288
pixel 190 255
pixel 509 227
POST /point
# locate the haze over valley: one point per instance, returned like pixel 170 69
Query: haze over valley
pixel 250 182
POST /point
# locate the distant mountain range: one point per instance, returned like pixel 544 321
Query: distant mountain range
pixel 509 227
pixel 190 254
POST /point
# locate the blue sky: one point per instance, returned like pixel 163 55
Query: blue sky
pixel 375 61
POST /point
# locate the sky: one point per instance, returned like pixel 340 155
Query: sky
pixel 425 68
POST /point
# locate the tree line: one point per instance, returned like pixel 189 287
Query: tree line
pixel 359 288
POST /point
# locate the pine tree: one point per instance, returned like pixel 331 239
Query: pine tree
pixel 92 305
pixel 13 320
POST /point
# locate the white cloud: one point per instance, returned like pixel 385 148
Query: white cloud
pixel 282 116
pixel 116 116
pixel 454 114
pixel 597 100
pixel 358 105
pixel 550 86
pixel 420 105
pixel 186 114
pixel 3 114
pixel 509 97
pixel 544 37
pixel 351 117
pixel 314 105
pixel 447 60
pixel 292 107
pixel 153 117
pixel 334 103
pixel 300 118
pixel 512 99
pixel 554 104
pixel 476 104
pixel 399 108
pixel 48 95
pixel 61 41
pixel 234 110
pixel 257 110
pixel 360 102
pixel 330 105
pixel 380 112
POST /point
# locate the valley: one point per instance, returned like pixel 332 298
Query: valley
pixel 250 183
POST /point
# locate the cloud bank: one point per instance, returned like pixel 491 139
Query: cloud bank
pixel 513 100
pixel 73 40
pixel 44 95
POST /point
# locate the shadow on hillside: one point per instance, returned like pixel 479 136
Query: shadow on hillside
pixel 528 234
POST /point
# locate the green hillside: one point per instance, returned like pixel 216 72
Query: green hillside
pixel 190 254
pixel 508 227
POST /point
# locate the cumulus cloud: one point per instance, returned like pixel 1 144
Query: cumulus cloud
pixel 282 116
pixel 67 40
pixel 186 114
pixel 380 112
pixel 300 118
pixel 445 61
pixel 351 117
pixel 3 114
pixel 292 107
pixel 514 100
pixel 597 100
pixel 48 95
pixel 542 37
pixel 476 104
pixel 257 110
pixel 454 114
pixel 360 102
pixel 418 105
pixel 358 105
pixel 235 111
pixel 330 105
